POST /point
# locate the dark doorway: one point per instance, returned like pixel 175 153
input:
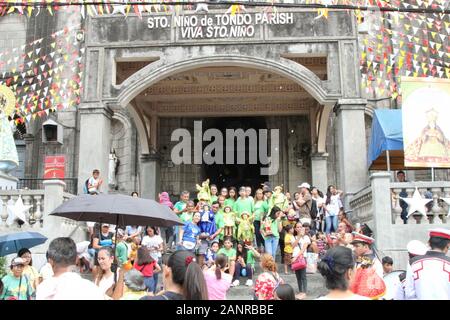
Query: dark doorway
pixel 227 175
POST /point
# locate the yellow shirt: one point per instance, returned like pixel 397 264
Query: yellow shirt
pixel 288 240
pixel 32 274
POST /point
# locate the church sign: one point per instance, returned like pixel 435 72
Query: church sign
pixel 219 25
pixel 426 115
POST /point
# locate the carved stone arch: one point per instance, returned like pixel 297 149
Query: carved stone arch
pixel 159 70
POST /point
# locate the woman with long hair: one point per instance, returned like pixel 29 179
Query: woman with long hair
pixel 28 270
pixel 148 267
pixel 333 204
pixel 271 227
pixel 269 280
pixel 245 263
pixel 217 281
pixel 154 244
pixel 338 269
pixel 105 278
pixel 260 209
pixel 300 245
pixel 183 279
pixel 232 196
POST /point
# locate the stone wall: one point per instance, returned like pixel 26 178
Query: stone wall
pixel 13 35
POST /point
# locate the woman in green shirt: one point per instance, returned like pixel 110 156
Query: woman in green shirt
pixel 260 209
pixel 245 264
pixel 271 227
pixel 230 252
pixel 16 286
pixel 214 192
pixel 232 195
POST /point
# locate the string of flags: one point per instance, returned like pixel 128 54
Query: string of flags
pixel 45 74
pixel 403 44
pixel 138 7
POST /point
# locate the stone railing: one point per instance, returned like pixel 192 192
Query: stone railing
pixel 361 205
pixel 379 206
pixel 42 203
pixel 437 209
pixel 34 216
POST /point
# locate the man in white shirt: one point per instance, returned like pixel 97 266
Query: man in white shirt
pixel 65 284
pixel 429 275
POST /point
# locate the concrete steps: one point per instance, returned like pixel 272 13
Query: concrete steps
pixel 316 285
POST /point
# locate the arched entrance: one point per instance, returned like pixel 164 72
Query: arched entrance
pixel 227 175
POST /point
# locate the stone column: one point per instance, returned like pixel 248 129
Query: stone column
pixel 381 205
pixel 352 146
pixel 150 169
pixel 319 171
pixel 29 139
pixel 95 142
pixel 53 197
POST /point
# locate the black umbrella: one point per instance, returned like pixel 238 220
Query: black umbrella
pixel 117 209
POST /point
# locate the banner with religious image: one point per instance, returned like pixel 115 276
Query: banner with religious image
pixel 426 118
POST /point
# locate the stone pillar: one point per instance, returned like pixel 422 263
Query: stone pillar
pixel 150 169
pixel 53 197
pixel 381 206
pixel 95 143
pixel 319 171
pixel 352 146
pixel 29 139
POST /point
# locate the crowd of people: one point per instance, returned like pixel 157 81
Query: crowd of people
pixel 229 235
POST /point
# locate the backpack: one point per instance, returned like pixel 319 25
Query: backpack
pixel 313 210
pixel 85 187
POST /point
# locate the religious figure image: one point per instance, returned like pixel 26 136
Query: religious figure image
pixel 9 159
pixel 432 141
pixel 204 192
pixel 112 168
pixel 426 137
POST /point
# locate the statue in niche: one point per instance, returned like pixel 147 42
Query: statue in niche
pixel 113 168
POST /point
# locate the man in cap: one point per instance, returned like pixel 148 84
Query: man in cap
pixel 429 275
pixel 415 248
pixel 369 270
pixel 304 203
pixel 365 257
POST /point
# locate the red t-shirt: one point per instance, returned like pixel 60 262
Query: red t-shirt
pixel 146 269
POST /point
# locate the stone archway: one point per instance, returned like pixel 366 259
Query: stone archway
pixel 161 69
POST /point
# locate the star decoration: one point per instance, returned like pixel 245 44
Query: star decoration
pixel 447 200
pixel 416 203
pixel 17 212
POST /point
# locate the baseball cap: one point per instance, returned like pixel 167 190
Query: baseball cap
pixel 105 224
pixel 305 185
pixel 17 261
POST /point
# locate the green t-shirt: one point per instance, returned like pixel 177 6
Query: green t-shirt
pixel 180 205
pixel 214 198
pixel 260 209
pixel 230 253
pixel 229 202
pixel 251 257
pixel 218 218
pixel 11 288
pixel 122 253
pixel 243 205
pixel 273 227
pixel 186 217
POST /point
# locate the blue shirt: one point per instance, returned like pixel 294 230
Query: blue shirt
pixel 207 223
pixel 191 231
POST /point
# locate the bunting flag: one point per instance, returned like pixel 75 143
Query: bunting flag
pixel 404 44
pixel 49 77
